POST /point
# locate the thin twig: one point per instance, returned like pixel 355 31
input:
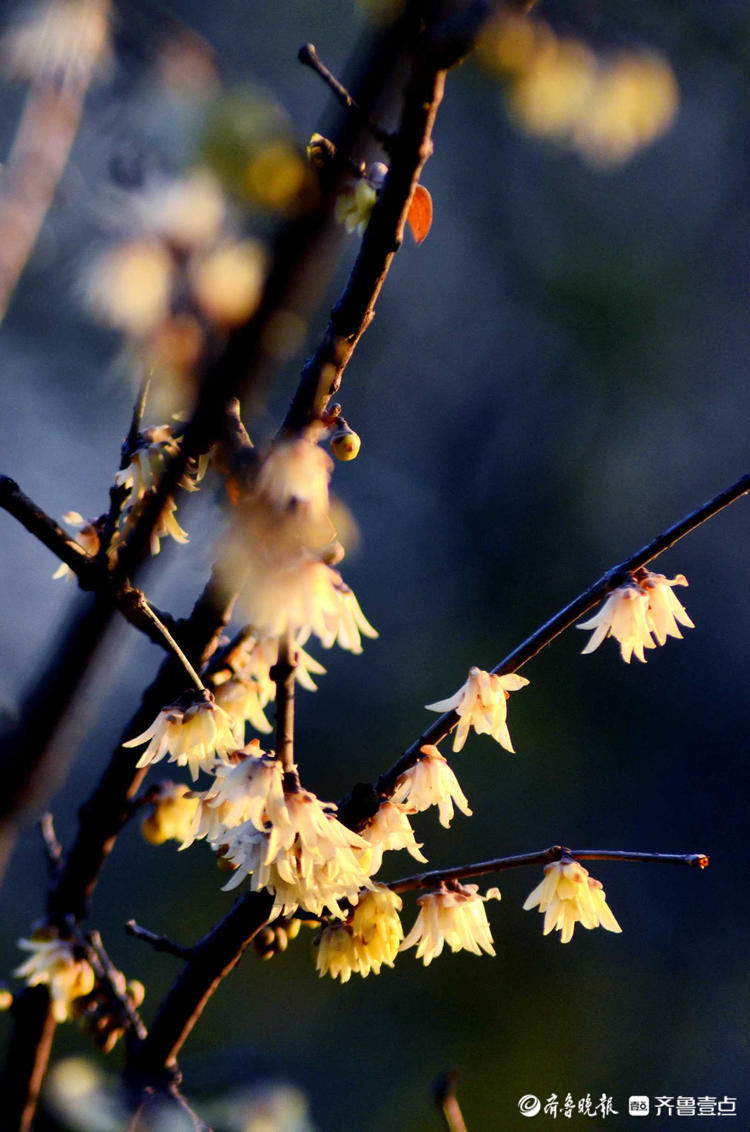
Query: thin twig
pixel 444 1091
pixel 52 847
pixel 118 493
pixel 110 978
pixel 158 942
pixel 179 654
pixel 435 877
pixel 309 56
pixel 561 621
pixel 282 673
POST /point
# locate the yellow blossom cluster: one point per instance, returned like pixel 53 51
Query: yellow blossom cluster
pixel 56 964
pixel 363 943
pixel 639 615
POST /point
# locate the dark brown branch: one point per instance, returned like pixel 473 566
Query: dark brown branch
pixel 282 673
pixel 154 1060
pixel 309 56
pixel 158 942
pixel 434 877
pixel 556 625
pixel 28 1054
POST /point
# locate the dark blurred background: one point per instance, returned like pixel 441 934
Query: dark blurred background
pixel 553 377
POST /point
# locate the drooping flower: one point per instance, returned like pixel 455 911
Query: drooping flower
pixel 249 790
pixel 388 829
pixel 193 736
pixel 54 963
pixel 307 858
pixel 173 814
pixel 481 703
pixel 453 914
pixel 240 699
pixel 87 537
pixel 664 609
pixel 431 782
pixel 568 896
pixel 296 473
pixel 368 939
pixel 354 206
pixel 623 616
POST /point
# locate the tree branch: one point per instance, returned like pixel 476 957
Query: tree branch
pixel 542 857
pixel 309 56
pixel 551 629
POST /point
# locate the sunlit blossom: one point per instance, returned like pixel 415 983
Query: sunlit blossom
pixel 87 536
pixel 623 616
pixel 481 703
pixel 664 608
pixel 55 963
pixel 367 940
pixel 453 914
pixel 172 816
pixel 308 858
pixel 193 736
pixel 354 206
pixel 296 472
pixel 568 896
pixel 431 782
pixel 240 699
pixel 130 286
pixel 389 829
pixel 249 790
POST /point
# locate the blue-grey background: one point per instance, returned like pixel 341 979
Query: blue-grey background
pixel 557 374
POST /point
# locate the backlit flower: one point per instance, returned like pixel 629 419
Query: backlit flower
pixel 87 537
pixel 194 737
pixel 363 943
pixel 173 814
pixel 664 609
pixel 389 829
pixel 455 915
pixel 240 699
pixel 431 782
pixel 568 896
pixel 53 962
pixel 246 791
pixel 296 472
pixel 624 617
pixel 481 703
pixel 305 858
pixel 354 206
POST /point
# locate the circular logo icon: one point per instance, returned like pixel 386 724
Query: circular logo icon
pixel 529 1105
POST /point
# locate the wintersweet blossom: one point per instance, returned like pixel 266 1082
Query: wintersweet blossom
pixel 173 814
pixel 431 782
pixel 388 829
pixel 636 613
pixel 366 941
pixel 54 963
pixel 623 616
pixel 240 699
pixel 567 896
pixel 87 536
pixel 453 914
pixel 296 472
pixel 664 609
pixel 193 736
pixel 481 703
pixel 354 206
pixel 250 790
pixel 305 858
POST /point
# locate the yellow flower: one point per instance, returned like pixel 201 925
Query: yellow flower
pixel 624 617
pixel 389 828
pixel 568 896
pixel 431 782
pixel 240 699
pixel 481 703
pixel 173 814
pixel 354 206
pixel 455 915
pixel 664 609
pixel 87 537
pixel 250 790
pixel 53 962
pixel 370 938
pixel 194 737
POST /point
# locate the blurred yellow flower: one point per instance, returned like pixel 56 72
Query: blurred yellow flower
pixel 54 963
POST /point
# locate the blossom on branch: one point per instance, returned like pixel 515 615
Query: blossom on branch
pixel 363 943
pixel 481 703
pixel 173 814
pixel 193 736
pixel 240 699
pixel 54 963
pixel 306 857
pixel 389 828
pixel 249 790
pixel 453 914
pixel 87 537
pixel 431 782
pixel 354 206
pixel 637 612
pixel 568 896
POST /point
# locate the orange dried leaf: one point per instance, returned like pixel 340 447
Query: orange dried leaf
pixel 420 214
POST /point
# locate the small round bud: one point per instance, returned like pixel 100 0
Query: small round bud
pixel 346 444
pixel 6 1000
pixel 137 992
pixel 377 173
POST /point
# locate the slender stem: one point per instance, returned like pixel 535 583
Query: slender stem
pixel 52 847
pixel 309 56
pixel 28 1054
pixel 444 1092
pixel 561 621
pixel 158 942
pixel 542 857
pixel 174 646
pixel 282 673
pixel 110 977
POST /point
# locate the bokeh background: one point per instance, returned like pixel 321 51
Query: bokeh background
pixel 554 376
